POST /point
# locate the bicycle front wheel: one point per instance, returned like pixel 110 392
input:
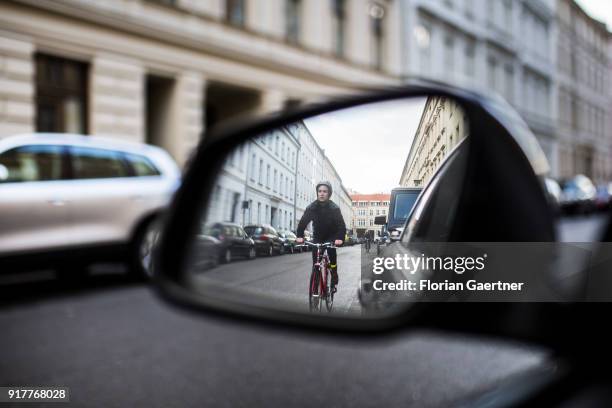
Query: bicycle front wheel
pixel 329 290
pixel 314 295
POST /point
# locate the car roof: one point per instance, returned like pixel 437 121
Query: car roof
pixel 227 224
pixel 74 139
pixel 400 189
pixel 159 155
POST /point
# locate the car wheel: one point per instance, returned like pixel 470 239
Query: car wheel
pixel 143 246
pixel 252 253
pixel 227 256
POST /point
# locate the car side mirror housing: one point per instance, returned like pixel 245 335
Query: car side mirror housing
pixel 485 154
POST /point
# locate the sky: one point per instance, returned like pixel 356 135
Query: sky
pixel 368 145
pixel 598 9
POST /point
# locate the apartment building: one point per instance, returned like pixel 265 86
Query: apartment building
pixel 502 46
pixel 443 126
pixel 163 71
pixel 271 179
pixel 366 207
pixel 585 142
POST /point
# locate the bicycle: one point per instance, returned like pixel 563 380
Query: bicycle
pixel 320 285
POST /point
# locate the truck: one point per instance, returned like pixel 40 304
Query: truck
pixel 400 205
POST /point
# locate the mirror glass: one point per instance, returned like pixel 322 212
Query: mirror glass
pixel 295 207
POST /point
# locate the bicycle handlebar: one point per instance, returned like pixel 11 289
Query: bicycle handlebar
pixel 324 244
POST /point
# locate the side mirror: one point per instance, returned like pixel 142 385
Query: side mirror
pixel 380 220
pixel 479 168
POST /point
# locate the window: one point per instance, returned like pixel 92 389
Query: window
pixel 61 95
pixel 292 20
pixel 235 12
pixel 260 179
pixel 141 165
pixel 509 82
pixel 377 14
pixel 508 15
pixel 268 176
pixel 470 54
pixel 492 62
pixel 31 163
pixel 253 161
pixel 339 22
pixel 449 49
pixel 275 180
pixel 88 163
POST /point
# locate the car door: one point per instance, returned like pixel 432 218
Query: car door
pixel 242 240
pixel 33 190
pixel 107 200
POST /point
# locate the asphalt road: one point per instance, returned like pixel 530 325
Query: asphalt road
pixel 115 344
pixel 284 279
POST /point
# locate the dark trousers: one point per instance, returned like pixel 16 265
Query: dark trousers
pixel 331 252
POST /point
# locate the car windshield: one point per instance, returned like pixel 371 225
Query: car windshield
pixel 212 230
pixel 403 204
pixel 252 230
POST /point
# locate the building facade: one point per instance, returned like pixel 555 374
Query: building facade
pixel 271 179
pixel 442 126
pixel 584 93
pixel 366 207
pixel 502 46
pixel 163 71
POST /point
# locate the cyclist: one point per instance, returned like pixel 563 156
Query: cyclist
pixel 328 225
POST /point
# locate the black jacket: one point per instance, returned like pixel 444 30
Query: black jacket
pixel 327 222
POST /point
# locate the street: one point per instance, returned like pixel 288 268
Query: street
pixel 285 279
pixel 115 345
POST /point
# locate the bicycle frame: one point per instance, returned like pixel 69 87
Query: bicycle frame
pixel 319 278
pixel 321 265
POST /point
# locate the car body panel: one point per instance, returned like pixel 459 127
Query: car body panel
pixel 71 213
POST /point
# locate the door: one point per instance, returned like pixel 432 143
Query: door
pixel 107 200
pixel 33 189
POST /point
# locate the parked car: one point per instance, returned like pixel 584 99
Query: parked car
pixel 603 197
pixel 206 252
pixel 267 240
pixel 234 241
pixel 578 195
pixel 289 241
pixel 81 198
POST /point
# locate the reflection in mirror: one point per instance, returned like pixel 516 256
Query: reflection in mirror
pixel 298 206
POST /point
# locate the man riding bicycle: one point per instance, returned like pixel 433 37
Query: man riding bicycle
pixel 328 225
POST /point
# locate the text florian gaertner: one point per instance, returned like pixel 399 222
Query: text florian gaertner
pixel 425 264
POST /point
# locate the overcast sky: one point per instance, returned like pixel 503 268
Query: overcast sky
pixel 369 145
pixel 598 9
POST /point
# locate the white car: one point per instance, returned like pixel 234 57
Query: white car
pixel 67 197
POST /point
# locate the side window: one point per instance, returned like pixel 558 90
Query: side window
pixel 31 163
pixel 91 163
pixel 141 165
